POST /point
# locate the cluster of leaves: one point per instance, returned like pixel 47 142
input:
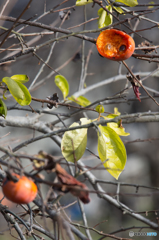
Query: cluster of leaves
pixel 16 87
pixel 111 149
pixel 106 18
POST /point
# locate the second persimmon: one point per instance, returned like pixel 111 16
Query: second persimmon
pixel 22 192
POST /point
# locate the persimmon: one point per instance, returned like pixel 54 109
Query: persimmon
pixel 5 201
pixel 115 45
pixel 23 191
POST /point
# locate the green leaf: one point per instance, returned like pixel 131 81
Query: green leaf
pixel 113 115
pixel 130 3
pixel 82 101
pixel 118 9
pixel 110 116
pixel 99 109
pixel 85 121
pixel 62 84
pixel 151 3
pixel 3 109
pixel 74 143
pixel 101 147
pixel 115 151
pixel 104 18
pixel 18 91
pixel 102 15
pixel 20 78
pixel 116 111
pixel 4 91
pixel 119 129
pixel 83 2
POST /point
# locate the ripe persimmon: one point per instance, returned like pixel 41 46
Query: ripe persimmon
pixel 5 201
pixel 115 45
pixel 21 192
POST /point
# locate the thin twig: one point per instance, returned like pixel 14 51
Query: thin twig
pixel 139 82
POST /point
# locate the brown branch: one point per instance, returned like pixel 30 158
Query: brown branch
pixel 54 103
pixel 44 26
pixel 139 82
pixel 12 58
pixel 100 4
pixel 9 31
pixel 142 140
pixel 145 55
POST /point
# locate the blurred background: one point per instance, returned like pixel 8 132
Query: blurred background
pixel 142 166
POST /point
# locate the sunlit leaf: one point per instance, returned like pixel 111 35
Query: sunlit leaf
pixel 151 3
pixel 102 15
pixel 82 101
pixel 20 78
pixel 83 2
pixel 119 129
pixel 130 3
pixel 110 116
pixel 85 121
pixel 105 19
pixel 3 109
pixel 116 112
pixel 115 151
pixel 62 84
pixel 113 115
pixel 74 143
pixel 18 91
pixel 102 147
pixel 99 109
pixel 4 91
pixel 118 9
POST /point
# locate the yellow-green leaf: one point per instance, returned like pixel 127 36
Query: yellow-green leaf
pixel 62 84
pixel 82 101
pixel 117 127
pixel 110 116
pixel 118 9
pixel 130 3
pixel 74 143
pixel 3 109
pixel 83 2
pixel 99 109
pixel 116 112
pixel 22 78
pixel 104 18
pixel 101 147
pixel 102 15
pixel 113 115
pixel 151 3
pixel 18 91
pixel 85 121
pixel 120 130
pixel 4 91
pixel 115 151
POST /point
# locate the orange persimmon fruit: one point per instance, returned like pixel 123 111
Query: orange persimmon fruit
pixel 22 192
pixel 115 45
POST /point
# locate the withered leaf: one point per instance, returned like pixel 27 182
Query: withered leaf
pixel 72 185
pixel 135 85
